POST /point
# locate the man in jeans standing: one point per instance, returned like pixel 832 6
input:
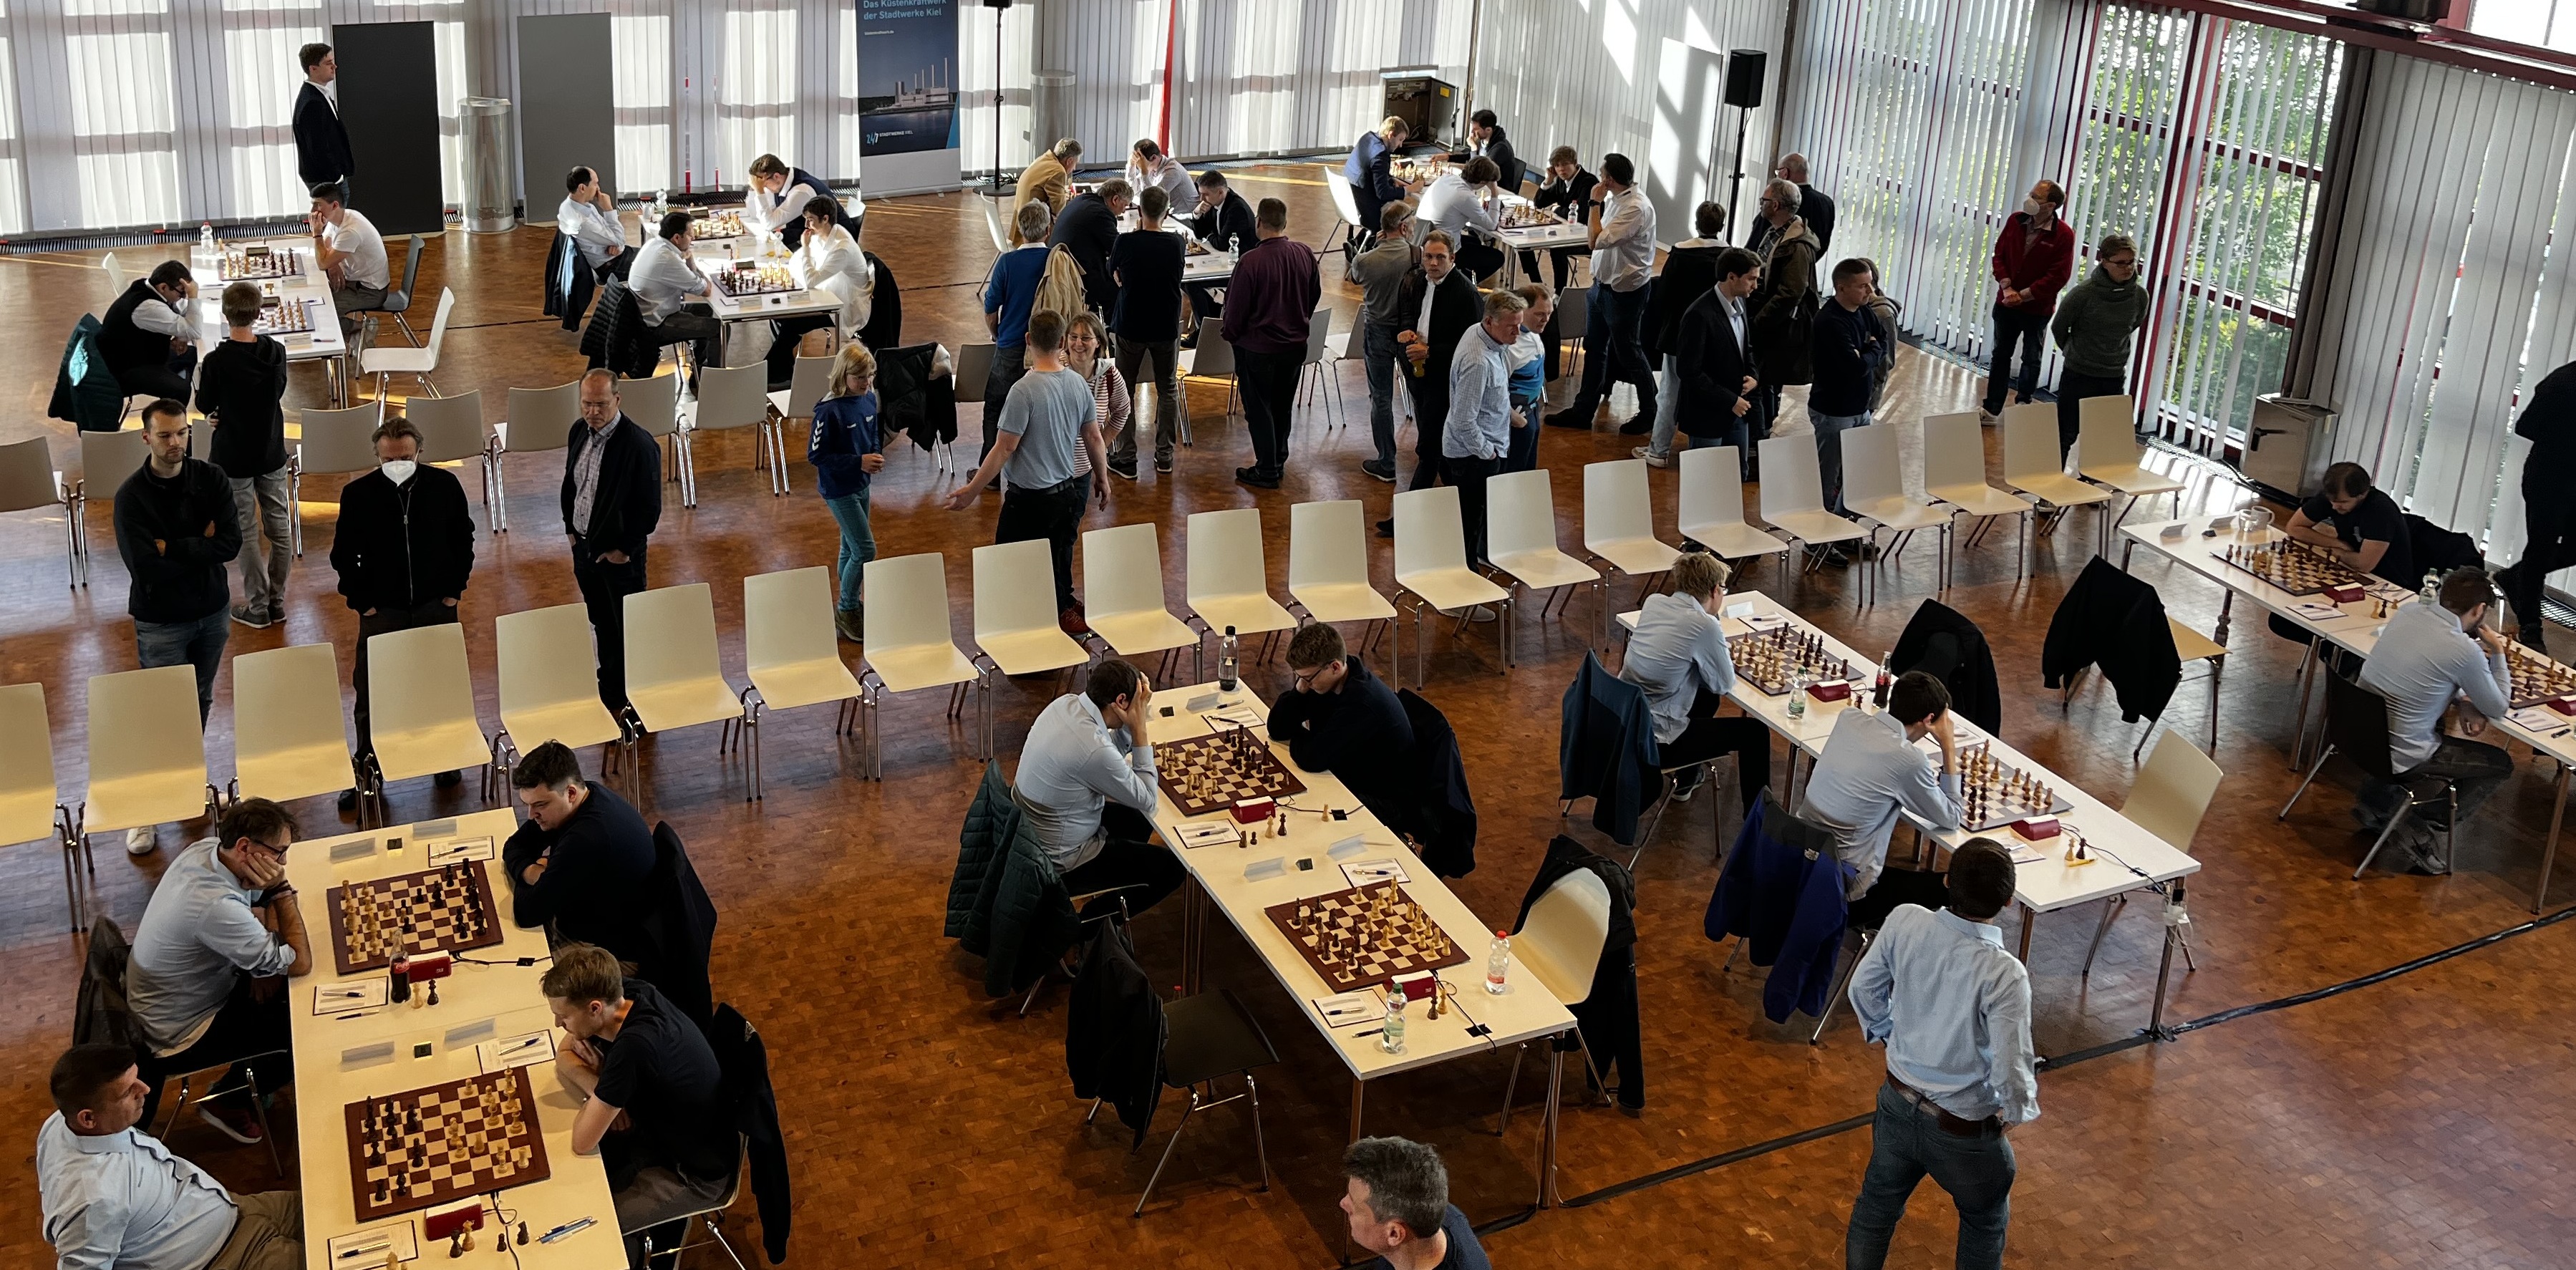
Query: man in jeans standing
pixel 404 549
pixel 176 527
pixel 1051 411
pixel 2034 257
pixel 1954 1009
pixel 1846 355
pixel 1269 305
pixel 1622 234
pixel 1478 432
pixel 1146 267
pixel 1380 273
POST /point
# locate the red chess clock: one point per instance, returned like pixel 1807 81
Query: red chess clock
pixel 444 1225
pixel 1829 690
pixel 1254 810
pixel 2563 705
pixel 428 966
pixel 2037 828
pixel 2344 594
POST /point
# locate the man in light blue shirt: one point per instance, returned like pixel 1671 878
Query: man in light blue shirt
pixel 1870 770
pixel 115 1198
pixel 1954 1010
pixel 2428 657
pixel 202 978
pixel 1678 655
pixel 1477 432
pixel 589 218
pixel 1087 782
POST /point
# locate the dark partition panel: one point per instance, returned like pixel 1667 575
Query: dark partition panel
pixel 567 107
pixel 389 101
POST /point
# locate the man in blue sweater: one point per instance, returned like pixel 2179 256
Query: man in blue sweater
pixel 1847 352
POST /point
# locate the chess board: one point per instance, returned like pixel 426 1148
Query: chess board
pixel 1197 248
pixel 2294 567
pixel 437 911
pixel 1770 660
pixel 245 266
pixel 1528 216
pixel 1999 793
pixel 728 225
pixel 1210 773
pixel 443 1143
pixel 1408 171
pixel 1365 935
pixel 284 317
pixel 2537 679
pixel 765 280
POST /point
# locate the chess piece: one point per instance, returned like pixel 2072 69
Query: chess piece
pixel 523 1233
pixel 433 992
pixel 467 1234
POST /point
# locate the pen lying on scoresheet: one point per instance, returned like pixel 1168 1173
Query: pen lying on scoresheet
pixel 364 1249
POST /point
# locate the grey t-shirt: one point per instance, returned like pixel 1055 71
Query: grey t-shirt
pixel 1047 411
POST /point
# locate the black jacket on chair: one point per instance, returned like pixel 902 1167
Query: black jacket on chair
pixel 911 400
pixel 1606 750
pixel 2117 622
pixel 1444 820
pixel 1780 890
pixel 885 309
pixel 628 503
pixel 744 1059
pixel 679 929
pixel 616 336
pixel 1006 901
pixel 95 402
pixel 2437 549
pixel 1941 642
pixel 1608 1015
pixel 100 1015
pixel 1114 1030
pixel 321 141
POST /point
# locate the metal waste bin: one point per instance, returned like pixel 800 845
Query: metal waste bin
pixel 1050 109
pixel 489 207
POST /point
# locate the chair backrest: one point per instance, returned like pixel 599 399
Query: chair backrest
pixel 339 441
pixel 1869 464
pixel 2106 432
pixel 732 397
pixel 1345 203
pixel 546 660
pixel 993 223
pixel 671 636
pixel 787 619
pixel 812 379
pixel 438 325
pixel 286 700
pixel 2172 791
pixel 1326 546
pixel 1355 342
pixel 27 475
pixel 1954 450
pixel 144 722
pixel 911 594
pixel 27 790
pixel 417 679
pixel 107 458
pixel 1319 331
pixel 541 418
pixel 1428 532
pixel 411 275
pixel 1562 940
pixel 1573 310
pixel 653 403
pixel 1122 570
pixel 1615 502
pixel 1712 487
pixel 116 278
pixel 1225 554
pixel 1520 513
pixel 1215 357
pixel 1014 588
pixel 451 428
pixel 2030 442
pixel 2357 725
pixel 1789 480
pixel 974 370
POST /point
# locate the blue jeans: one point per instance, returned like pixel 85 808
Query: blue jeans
pixel 1377 347
pixel 1829 453
pixel 1668 418
pixel 858 544
pixel 1613 349
pixel 199 643
pixel 1908 1142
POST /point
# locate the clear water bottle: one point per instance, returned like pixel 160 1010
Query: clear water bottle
pixel 1391 1036
pixel 1498 964
pixel 206 238
pixel 1225 661
pixel 2432 592
pixel 1798 696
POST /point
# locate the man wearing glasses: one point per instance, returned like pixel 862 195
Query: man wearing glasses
pixel 203 980
pixel 1344 720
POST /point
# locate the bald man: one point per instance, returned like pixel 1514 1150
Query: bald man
pixel 1813 206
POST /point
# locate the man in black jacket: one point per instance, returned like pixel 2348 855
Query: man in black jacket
pixel 2548 421
pixel 612 498
pixel 582 860
pixel 1344 720
pixel 321 143
pixel 238 391
pixel 1223 221
pixel 1813 206
pixel 1088 228
pixel 1690 271
pixel 149 336
pixel 1712 365
pixel 176 528
pixel 1846 355
pixel 1436 306
pixel 403 549
pixel 1485 140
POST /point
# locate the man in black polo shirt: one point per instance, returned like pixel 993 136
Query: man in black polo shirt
pixel 582 858
pixel 1344 720
pixel 653 1106
pixel 2356 524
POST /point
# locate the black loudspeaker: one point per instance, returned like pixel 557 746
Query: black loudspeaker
pixel 1744 77
pixel 997 4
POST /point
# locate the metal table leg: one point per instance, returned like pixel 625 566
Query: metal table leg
pixel 1547 1196
pixel 2164 967
pixel 2029 917
pixel 2549 847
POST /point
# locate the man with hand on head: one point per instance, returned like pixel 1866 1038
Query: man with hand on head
pixel 1220 218
pixel 779 196
pixel 612 499
pixel 2436 662
pixel 1679 657
pixel 352 256
pixel 115 1198
pixel 1149 168
pixel 1954 1010
pixel 1087 780
pixel 404 550
pixel 149 336
pixel 1344 720
pixel 1398 1201
pixel 653 1107
pixel 1869 771
pixel 582 859
pixel 588 217
pixel 203 978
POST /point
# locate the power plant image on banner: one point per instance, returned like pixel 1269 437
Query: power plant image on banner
pixel 907 84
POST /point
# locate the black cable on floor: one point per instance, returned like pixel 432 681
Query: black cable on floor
pixel 2320 994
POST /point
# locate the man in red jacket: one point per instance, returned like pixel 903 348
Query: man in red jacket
pixel 2034 257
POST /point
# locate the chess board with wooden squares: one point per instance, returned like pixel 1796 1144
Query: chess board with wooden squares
pixel 1773 660
pixel 2536 678
pixel 726 225
pixel 762 280
pixel 1998 793
pixel 284 317
pixel 2294 567
pixel 1212 773
pixel 441 910
pixel 253 264
pixel 1365 935
pixel 442 1143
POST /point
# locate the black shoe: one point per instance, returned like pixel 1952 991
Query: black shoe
pixel 1163 463
pixel 1124 469
pixel 1570 418
pixel 1379 468
pixel 1386 527
pixel 450 779
pixel 1694 544
pixel 1252 476
pixel 348 801
pixel 1638 427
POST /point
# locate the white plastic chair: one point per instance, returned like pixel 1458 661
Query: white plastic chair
pixel 909 646
pixel 673 679
pixel 107 458
pixel 1346 208
pixel 420 362
pixel 1954 471
pixel 2033 465
pixel 790 650
pixel 1431 568
pixel 1015 615
pixel 1712 505
pixel 1328 569
pixel 540 420
pixel 1619 525
pixel 1229 576
pixel 452 431
pixel 420 710
pixel 1520 541
pixel 653 404
pixel 1212 359
pixel 147 753
pixel 2168 799
pixel 28 481
pixel 1875 493
pixel 1122 596
pixel 289 741
pixel 2107 453
pixel 805 388
pixel 330 443
pixel 1317 368
pixel 738 397
pixel 1793 497
pixel 31 805
pixel 549 687
pixel 116 279
pixel 1559 947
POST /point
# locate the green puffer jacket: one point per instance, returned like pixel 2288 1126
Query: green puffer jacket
pixel 1007 903
pixel 2094 322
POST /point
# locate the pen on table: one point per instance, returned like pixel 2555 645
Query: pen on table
pixel 349 994
pixel 361 1250
pixel 1371 1032
pixel 566 1229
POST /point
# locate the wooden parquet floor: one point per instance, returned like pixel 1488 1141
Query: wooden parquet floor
pixel 2419 1122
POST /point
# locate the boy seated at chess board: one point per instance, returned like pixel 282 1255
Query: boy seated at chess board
pixel 2356 525
pixel 1087 782
pixel 1344 720
pixel 2438 663
pixel 652 1096
pixel 1869 771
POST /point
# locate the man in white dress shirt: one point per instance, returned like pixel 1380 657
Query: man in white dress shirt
pixel 589 218
pixel 352 256
pixel 115 1198
pixel 1464 202
pixel 670 293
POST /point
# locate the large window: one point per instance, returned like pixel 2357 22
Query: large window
pixel 756 97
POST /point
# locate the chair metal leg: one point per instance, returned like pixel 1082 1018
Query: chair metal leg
pixel 1842 984
pixel 2373 854
pixel 2110 908
pixel 2327 753
pixel 1168 1148
pixel 1511 1083
pixel 1260 1148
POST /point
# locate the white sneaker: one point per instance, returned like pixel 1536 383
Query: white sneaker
pixel 1652 459
pixel 139 841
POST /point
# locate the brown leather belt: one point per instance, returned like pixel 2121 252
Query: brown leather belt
pixel 1950 1124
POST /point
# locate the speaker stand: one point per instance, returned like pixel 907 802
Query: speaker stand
pixel 1735 185
pixel 1000 184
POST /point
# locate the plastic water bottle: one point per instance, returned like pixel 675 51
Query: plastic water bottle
pixel 1225 661
pixel 1391 1036
pixel 2432 592
pixel 1798 696
pixel 1498 964
pixel 206 238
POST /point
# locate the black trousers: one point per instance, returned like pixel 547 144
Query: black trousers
pixel 787 334
pixel 2014 325
pixel 1269 383
pixel 1481 260
pixel 619 266
pixel 169 380
pixel 1053 513
pixel 385 621
pixel 243 1027
pixel 1470 475
pixel 1894 887
pixel 1129 859
pixel 2549 544
pixel 1430 412
pixel 695 324
pixel 2072 388
pixel 1710 735
pixel 604 588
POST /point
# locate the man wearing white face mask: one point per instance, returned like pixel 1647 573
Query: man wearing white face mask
pixel 404 549
pixel 2034 256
